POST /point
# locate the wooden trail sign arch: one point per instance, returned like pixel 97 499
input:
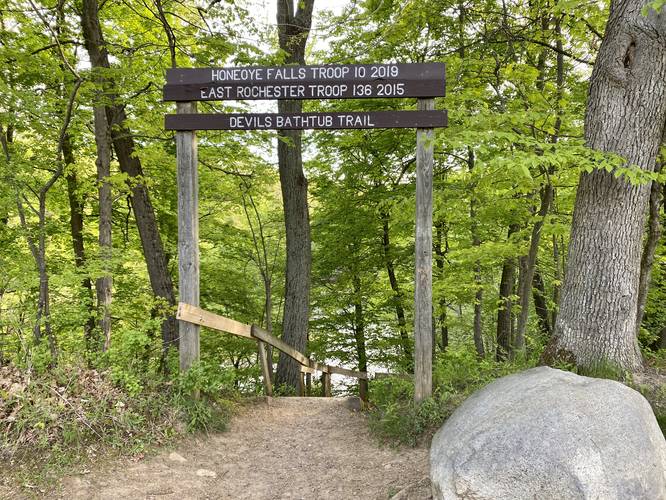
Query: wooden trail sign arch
pixel 425 81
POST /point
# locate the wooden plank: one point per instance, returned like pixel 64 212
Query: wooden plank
pixel 261 334
pixel 307 369
pixel 299 121
pixel 347 373
pixel 319 367
pixel 381 89
pixel 265 368
pixel 423 260
pixel 188 236
pixel 198 316
pixel 328 73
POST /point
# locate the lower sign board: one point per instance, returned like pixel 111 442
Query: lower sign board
pixel 297 121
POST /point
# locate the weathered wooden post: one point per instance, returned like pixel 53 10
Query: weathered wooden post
pixel 423 263
pixel 188 235
pixel 264 362
pixel 326 383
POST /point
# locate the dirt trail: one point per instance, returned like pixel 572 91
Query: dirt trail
pixel 309 448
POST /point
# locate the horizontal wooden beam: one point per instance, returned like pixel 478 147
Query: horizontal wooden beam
pixel 348 373
pixel 319 367
pixel 261 334
pixel 196 315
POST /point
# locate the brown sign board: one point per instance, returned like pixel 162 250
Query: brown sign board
pixel 298 121
pixel 356 73
pixel 307 89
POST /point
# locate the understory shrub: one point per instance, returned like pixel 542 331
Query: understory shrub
pixel 71 413
pixel 456 374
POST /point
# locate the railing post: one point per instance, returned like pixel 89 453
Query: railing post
pixel 326 382
pixel 265 367
pixel 301 384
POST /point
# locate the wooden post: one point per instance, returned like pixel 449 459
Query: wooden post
pixel 326 383
pixel 265 367
pixel 301 384
pixel 188 236
pixel 423 267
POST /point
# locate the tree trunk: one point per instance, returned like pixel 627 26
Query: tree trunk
pixel 440 254
pixel 626 114
pixel 540 305
pixel 130 164
pixel 397 292
pixel 359 335
pixel 293 29
pixel 647 259
pixel 504 311
pixel 104 284
pixel 76 231
pixel 476 241
pixel 530 267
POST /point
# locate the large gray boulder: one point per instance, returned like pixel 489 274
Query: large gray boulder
pixel 550 434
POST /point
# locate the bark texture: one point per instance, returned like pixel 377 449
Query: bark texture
pixel 504 317
pixel 441 232
pixel 293 28
pixel 626 113
pixel 647 259
pixel 103 284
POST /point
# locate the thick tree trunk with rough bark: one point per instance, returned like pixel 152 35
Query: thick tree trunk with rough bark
pixel 130 164
pixel 626 114
pixel 293 28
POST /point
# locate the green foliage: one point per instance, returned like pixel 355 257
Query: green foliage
pixel 73 414
pixel 457 374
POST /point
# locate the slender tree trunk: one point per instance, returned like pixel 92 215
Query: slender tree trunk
pixel 293 28
pixel 476 241
pixel 540 305
pixel 104 283
pixel 359 335
pixel 504 311
pixel 647 258
pixel 395 287
pixel 440 254
pixel 530 267
pixel 130 164
pixel 76 231
pixel 626 115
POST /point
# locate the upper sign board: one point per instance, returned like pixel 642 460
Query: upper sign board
pixel 348 81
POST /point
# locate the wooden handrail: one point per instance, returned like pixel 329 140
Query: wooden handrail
pixel 198 316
